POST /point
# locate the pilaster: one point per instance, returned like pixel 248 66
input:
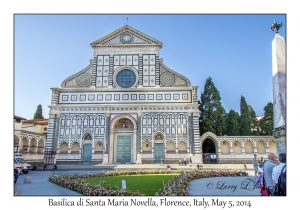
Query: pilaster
pixel 107 133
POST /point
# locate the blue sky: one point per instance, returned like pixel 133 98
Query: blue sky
pixel 234 50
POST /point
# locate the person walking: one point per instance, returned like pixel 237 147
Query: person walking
pixel 268 169
pixel 184 160
pixel 179 161
pixel 255 165
pixel 16 175
pixel 162 161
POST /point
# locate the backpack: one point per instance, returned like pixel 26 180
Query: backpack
pixel 281 185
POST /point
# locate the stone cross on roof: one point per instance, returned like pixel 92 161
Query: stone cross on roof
pixel 275 26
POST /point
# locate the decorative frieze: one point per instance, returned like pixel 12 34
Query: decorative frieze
pixel 126 97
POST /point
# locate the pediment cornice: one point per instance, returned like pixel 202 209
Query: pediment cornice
pixel 135 39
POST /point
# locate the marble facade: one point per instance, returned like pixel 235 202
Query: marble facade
pixel 125 83
pixel 127 106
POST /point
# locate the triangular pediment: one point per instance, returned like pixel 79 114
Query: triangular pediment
pixel 126 36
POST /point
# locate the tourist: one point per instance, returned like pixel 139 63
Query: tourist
pixel 179 161
pixel 54 167
pixel 260 175
pixel 199 167
pixel 268 168
pixel 161 161
pixel 259 178
pixel 169 167
pixel 255 166
pixel 184 160
pixel 45 167
pixel 277 169
pixel 260 165
pixel 16 175
pixel 262 160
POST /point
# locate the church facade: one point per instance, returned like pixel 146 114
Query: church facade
pixel 127 106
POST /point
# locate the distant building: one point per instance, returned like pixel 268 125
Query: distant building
pixel 259 117
pixel 30 137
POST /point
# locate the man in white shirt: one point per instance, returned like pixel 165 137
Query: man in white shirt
pixel 277 169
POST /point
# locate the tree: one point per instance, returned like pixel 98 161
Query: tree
pixel 267 123
pixel 245 122
pixel 232 123
pixel 39 112
pixel 255 130
pixel 212 113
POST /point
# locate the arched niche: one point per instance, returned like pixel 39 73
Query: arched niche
pixel 147 147
pixel 248 147
pixel 63 149
pixel 170 148
pixel 182 148
pixel 261 148
pixel 75 148
pixel 272 146
pixel 98 148
pixel 237 148
pixel 40 148
pixel 225 148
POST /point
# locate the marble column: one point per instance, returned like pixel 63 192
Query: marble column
pixel 279 91
pixel 190 133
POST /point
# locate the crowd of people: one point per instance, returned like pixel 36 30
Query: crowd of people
pixel 270 175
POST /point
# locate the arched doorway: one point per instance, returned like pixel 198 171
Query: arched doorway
pixel 209 152
pixel 87 148
pixel 123 141
pixel 159 147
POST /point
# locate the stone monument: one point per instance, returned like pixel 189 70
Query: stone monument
pixel 279 88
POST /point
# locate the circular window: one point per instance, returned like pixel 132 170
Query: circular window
pixel 126 78
pixel 45 129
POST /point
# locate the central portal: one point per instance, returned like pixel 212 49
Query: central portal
pixel 159 147
pixel 124 149
pixel 123 140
